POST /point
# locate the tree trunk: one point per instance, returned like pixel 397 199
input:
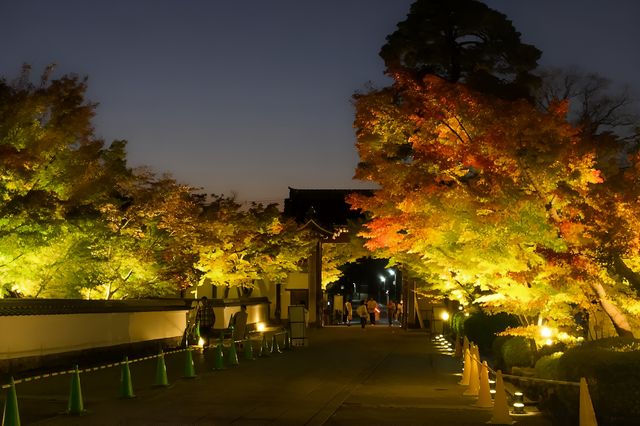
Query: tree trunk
pixel 623 270
pixel 618 318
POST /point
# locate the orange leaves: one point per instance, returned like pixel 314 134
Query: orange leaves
pixel 383 233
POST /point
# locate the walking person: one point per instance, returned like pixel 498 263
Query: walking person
pixel 348 312
pixel 391 311
pixel 363 313
pixel 372 305
pixel 400 312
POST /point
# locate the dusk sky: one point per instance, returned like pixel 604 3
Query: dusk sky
pixel 250 97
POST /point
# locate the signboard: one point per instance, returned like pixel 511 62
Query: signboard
pixel 298 325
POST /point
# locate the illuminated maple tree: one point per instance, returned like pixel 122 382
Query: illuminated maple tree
pixel 487 200
pixel 241 248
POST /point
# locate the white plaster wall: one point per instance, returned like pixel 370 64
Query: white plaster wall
pixel 298 280
pixel 35 335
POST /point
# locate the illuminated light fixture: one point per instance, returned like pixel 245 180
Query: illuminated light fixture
pixel 460 308
pixel 548 342
pixel 518 404
pixel 445 316
pixel 391 271
pixel 546 332
pixel 466 314
pixel 260 327
pixel 201 342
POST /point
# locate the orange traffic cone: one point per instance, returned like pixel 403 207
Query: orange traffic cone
pixel 484 394
pixel 587 414
pixel 474 378
pixel 500 405
pixel 466 368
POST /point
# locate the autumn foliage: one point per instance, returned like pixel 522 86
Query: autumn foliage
pixel 496 202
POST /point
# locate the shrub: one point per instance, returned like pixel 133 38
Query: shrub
pixel 548 366
pixel 496 350
pixel 611 368
pixel 517 352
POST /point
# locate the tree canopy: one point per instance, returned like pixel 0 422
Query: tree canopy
pixel 485 195
pixel 463 41
pixel 77 221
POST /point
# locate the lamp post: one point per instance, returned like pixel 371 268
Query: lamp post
pixel 382 280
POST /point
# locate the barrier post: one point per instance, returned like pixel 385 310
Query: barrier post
pixel 76 404
pixel 189 368
pixel 274 344
pixel 10 415
pixel 466 368
pixel 500 414
pixel 474 374
pixel 264 347
pixel 587 413
pixel 218 363
pixel 233 355
pixel 248 350
pixel 161 371
pixel 126 387
pixel 484 394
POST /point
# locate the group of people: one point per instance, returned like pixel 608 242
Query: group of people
pixel 368 311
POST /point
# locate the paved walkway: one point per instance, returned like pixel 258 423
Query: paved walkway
pixel 346 376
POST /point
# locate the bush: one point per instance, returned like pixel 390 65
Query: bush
pixel 496 350
pixel 611 368
pixel 548 366
pixel 517 352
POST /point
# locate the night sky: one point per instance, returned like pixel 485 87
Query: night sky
pixel 252 97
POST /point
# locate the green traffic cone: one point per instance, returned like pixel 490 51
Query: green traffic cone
pixel 189 368
pixel 218 363
pixel 76 405
pixel 287 341
pixel 248 350
pixel 126 387
pixel 197 331
pixel 264 347
pixel 233 355
pixel 11 416
pixel 161 372
pixel 274 345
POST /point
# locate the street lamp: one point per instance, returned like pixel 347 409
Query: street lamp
pixel 392 272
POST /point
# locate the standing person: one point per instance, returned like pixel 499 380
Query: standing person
pixel 362 313
pixel 400 312
pixel 348 312
pixel 205 318
pixel 371 308
pixel 391 311
pixel 239 322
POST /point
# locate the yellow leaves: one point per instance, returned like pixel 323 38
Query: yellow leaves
pixel 484 212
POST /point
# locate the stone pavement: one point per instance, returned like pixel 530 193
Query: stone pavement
pixel 346 376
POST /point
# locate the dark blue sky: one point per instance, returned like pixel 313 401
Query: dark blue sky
pixel 254 96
